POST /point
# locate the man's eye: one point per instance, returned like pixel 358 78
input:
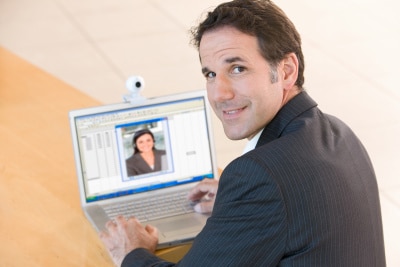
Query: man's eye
pixel 210 75
pixel 238 69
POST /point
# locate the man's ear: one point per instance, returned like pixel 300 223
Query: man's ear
pixel 290 69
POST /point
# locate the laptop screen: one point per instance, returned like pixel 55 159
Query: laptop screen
pixel 137 149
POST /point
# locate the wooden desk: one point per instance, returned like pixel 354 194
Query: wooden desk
pixel 41 222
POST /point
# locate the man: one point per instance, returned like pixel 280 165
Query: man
pixel 305 193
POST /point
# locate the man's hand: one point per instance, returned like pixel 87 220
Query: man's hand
pixel 123 236
pixel 204 192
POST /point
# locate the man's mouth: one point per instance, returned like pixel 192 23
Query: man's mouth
pixel 232 112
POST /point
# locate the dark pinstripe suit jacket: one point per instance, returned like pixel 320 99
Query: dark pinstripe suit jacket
pixel 306 196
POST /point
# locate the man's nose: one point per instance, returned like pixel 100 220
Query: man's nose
pixel 222 89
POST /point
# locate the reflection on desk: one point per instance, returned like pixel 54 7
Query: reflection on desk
pixel 42 223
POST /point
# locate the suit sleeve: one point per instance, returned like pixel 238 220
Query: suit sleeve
pixel 247 227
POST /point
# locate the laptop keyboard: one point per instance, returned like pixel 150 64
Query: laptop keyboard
pixel 152 209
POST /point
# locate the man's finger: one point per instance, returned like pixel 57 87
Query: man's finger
pixel 205 187
pixel 204 207
pixel 152 230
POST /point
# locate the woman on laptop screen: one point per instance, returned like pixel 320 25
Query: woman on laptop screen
pixel 145 158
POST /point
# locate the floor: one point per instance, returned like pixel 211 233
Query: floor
pixel 351 49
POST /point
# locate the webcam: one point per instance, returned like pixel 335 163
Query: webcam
pixel 134 84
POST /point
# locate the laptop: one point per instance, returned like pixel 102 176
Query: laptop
pixel 112 182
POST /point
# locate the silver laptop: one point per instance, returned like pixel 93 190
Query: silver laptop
pixel 113 179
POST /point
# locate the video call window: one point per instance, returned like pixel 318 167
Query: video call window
pixel 145 149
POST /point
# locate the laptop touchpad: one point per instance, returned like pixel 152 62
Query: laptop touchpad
pixel 180 226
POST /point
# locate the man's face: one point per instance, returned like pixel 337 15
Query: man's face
pixel 239 83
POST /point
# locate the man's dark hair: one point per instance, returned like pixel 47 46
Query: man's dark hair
pixel 276 34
